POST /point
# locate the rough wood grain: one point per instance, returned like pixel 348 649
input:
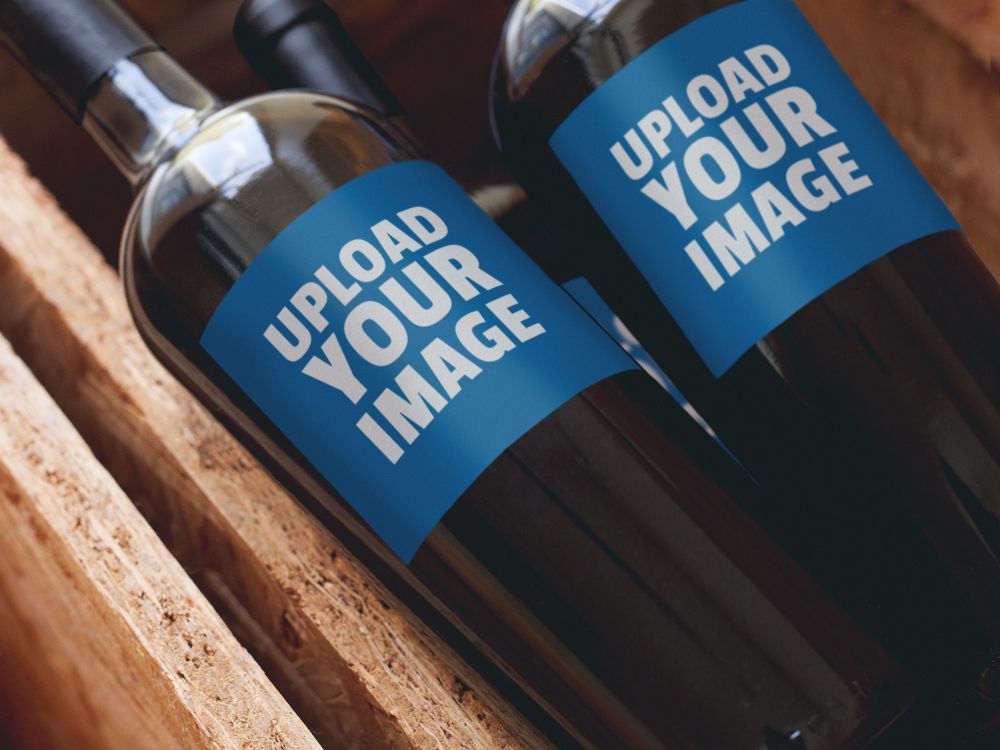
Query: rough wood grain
pixel 386 682
pixel 938 101
pixel 106 641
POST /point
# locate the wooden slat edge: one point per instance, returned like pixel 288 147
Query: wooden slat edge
pixel 940 104
pixel 106 641
pixel 388 682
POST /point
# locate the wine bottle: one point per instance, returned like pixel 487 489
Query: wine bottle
pixel 717 178
pixel 383 347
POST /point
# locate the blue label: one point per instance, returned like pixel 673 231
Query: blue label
pixel 402 342
pixel 743 173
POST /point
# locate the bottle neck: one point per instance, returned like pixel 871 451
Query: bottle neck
pixel 303 44
pixel 143 109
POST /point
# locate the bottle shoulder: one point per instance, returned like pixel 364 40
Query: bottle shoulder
pixel 211 207
pixel 262 161
pixel 588 39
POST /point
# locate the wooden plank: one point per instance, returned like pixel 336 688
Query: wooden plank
pixel 386 681
pixel 938 101
pixel 106 642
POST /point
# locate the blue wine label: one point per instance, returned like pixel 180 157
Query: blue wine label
pixel 401 341
pixel 743 173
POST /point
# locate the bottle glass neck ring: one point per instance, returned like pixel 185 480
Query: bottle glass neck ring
pixel 143 108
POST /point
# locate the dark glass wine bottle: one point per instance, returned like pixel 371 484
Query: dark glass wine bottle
pixel 605 558
pixel 872 405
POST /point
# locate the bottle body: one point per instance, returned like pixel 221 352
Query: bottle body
pixel 871 410
pixel 595 560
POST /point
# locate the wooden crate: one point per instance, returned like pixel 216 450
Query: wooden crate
pixel 358 666
pixel 106 641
